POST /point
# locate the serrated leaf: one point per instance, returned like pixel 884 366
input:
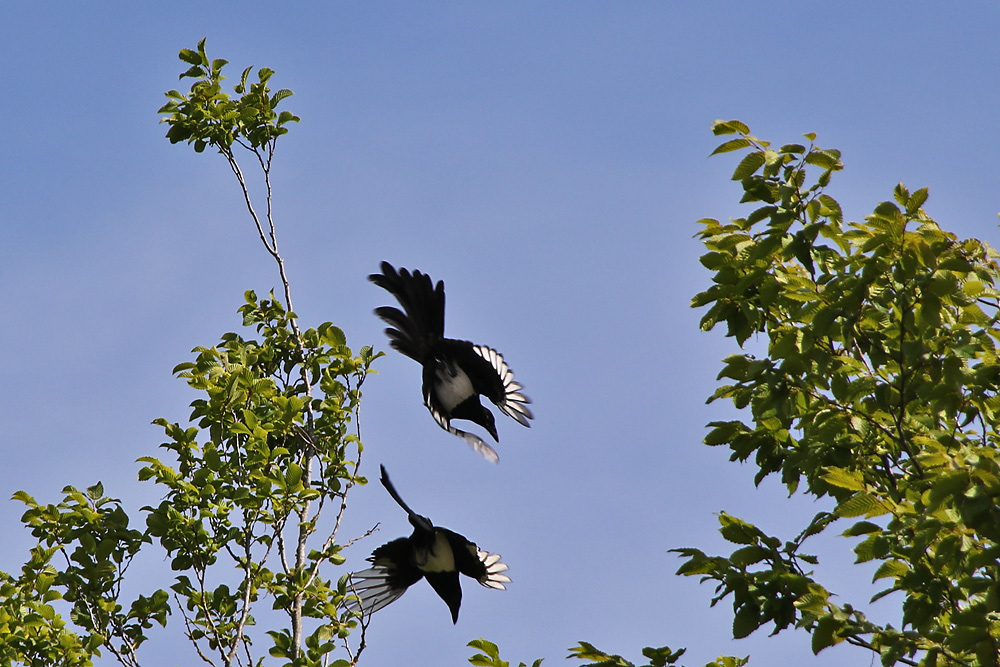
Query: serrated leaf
pixel 486 646
pixel 738 531
pixel 23 497
pixel 916 200
pixel 732 145
pixel 862 528
pixel 293 474
pixel 827 159
pixel 95 492
pixel 749 165
pixel 745 621
pixel 793 149
pixel 729 127
pixel 190 57
pixel 824 634
pixel 748 555
pixel 844 479
pixel 973 288
pixel 949 484
pixel 861 504
pixel 890 568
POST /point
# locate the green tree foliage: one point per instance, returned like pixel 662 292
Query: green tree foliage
pixel 249 497
pixel 877 386
pixel 490 655
pixel 88 537
pixel 256 491
pixel 658 657
pixel 209 116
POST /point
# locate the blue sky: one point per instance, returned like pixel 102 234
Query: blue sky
pixel 547 161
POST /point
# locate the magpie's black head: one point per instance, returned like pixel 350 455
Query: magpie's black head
pixel 489 423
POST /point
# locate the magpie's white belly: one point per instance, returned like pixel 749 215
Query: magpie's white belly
pixel 439 558
pixel 452 387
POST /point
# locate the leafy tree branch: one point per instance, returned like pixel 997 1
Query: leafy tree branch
pixel 208 116
pixel 879 389
pixel 273 445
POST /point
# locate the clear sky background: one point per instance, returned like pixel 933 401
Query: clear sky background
pixel 548 162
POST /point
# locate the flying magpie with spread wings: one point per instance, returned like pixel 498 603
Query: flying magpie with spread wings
pixel 455 372
pixel 432 553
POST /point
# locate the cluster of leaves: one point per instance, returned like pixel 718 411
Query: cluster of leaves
pixel 250 496
pixel 89 533
pixel 878 387
pixel 240 517
pixel 208 116
pixel 490 655
pixel 274 443
pixel 658 657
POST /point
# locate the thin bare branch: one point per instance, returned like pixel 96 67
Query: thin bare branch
pixel 189 631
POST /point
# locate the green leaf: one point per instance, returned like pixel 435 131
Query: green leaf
pixel 861 504
pixel 732 145
pixel 824 633
pixel 24 498
pixel 729 661
pixel 748 556
pixel 487 647
pixel 949 484
pixel 862 528
pixel 720 127
pixel 875 546
pixel 745 621
pixel 190 57
pixel 749 165
pixel 827 159
pixel 738 531
pixel 916 200
pixel 844 479
pixel 891 569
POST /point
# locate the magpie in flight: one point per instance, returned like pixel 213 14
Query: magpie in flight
pixel 455 372
pixel 433 553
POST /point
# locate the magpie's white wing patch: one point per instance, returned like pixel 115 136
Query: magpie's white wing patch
pixel 514 403
pixel 373 590
pixel 494 577
pixel 473 441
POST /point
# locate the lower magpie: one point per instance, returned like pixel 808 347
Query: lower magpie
pixel 432 553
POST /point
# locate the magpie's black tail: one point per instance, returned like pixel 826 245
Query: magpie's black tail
pixel 392 491
pixel 419 522
pixel 413 329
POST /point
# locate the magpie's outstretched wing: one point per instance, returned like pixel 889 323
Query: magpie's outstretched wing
pixel 414 329
pixel 481 565
pixel 392 572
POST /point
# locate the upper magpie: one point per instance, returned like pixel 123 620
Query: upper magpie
pixel 455 372
pixel 433 553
